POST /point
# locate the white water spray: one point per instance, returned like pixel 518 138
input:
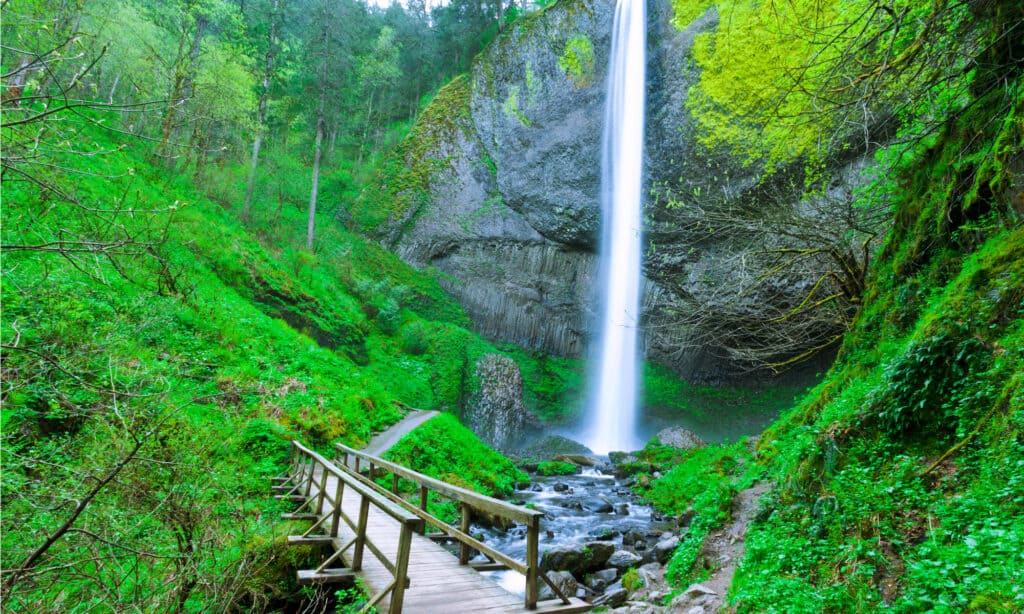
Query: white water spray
pixel 612 406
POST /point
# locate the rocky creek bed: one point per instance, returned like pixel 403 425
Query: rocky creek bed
pixel 594 531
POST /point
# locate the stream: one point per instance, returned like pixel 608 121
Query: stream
pixel 586 507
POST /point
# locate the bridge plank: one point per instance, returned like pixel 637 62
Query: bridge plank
pixel 438 584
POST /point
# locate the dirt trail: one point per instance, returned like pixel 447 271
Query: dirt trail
pixel 724 548
pixel 382 441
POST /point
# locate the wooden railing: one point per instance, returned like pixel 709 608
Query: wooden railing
pixel 308 483
pixel 468 502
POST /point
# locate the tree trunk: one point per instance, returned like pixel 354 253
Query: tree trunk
pixel 311 222
pixel 181 89
pixel 113 88
pixel 366 127
pixel 261 111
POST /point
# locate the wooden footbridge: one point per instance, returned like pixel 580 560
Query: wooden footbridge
pixel 371 532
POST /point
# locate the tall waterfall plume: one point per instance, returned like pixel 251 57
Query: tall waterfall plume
pixel 612 405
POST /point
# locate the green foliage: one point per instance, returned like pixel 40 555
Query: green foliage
pixel 213 347
pixel 415 338
pixel 780 82
pixel 444 449
pixel 925 383
pixel 631 580
pixel 556 468
pixel 353 599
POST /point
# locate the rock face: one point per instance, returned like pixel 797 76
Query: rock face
pixel 511 217
pixel 497 414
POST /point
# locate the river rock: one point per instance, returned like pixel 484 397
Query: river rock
pixel 626 464
pixel 679 438
pixel 632 537
pixel 496 412
pixel 563 558
pixel 605 534
pixel 684 519
pixel 624 559
pixel 598 506
pixel 600 552
pixel 606 575
pixel 612 599
pixel 580 460
pixel 565 582
pixel 561 487
pixel 577 559
pixel 663 549
pixel 652 573
pixel 696 596
pixel 600 580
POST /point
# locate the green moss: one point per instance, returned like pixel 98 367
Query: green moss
pixel 511 107
pixel 402 187
pixel 577 60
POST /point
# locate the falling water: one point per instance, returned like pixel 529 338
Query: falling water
pixel 612 406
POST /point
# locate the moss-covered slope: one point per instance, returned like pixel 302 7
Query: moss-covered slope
pixel 898 482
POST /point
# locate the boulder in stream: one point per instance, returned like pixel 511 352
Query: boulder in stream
pixel 554 445
pixel 597 505
pixel 577 559
pixel 624 559
pixel 679 438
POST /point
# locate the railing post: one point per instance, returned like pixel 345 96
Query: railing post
pixel 532 564
pixel 293 460
pixel 309 480
pixel 394 483
pixel 357 464
pixel 357 555
pixel 336 518
pixel 373 469
pixel 323 491
pixel 423 507
pixel 401 569
pixel 464 549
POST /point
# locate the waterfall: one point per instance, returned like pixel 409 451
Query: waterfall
pixel 612 406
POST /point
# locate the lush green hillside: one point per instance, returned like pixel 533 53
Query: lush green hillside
pixel 899 481
pixel 150 387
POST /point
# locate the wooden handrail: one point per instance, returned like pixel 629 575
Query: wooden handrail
pixel 468 501
pixel 308 465
pixel 395 511
pixel 476 500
